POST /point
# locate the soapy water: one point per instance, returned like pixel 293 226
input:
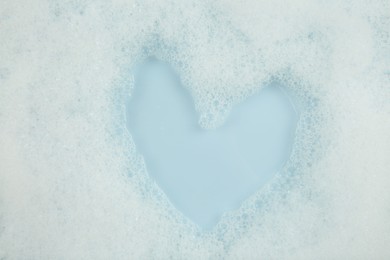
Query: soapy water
pixel 206 172
pixel 74 185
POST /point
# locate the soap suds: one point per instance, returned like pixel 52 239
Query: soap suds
pixel 72 185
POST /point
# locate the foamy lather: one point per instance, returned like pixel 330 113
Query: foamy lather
pixel 73 186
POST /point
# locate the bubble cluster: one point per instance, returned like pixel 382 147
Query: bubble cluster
pixel 72 185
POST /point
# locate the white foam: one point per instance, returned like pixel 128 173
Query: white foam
pixel 72 185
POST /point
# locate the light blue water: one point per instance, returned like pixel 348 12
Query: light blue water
pixel 207 172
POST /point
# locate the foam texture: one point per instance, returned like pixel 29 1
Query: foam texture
pixel 73 186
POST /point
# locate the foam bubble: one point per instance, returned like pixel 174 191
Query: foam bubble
pixel 73 186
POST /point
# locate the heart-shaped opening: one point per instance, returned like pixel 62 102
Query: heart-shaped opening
pixel 204 172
